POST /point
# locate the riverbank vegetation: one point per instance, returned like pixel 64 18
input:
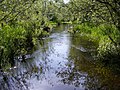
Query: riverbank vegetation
pixel 22 22
pixel 100 21
pixel 107 37
pixel 91 56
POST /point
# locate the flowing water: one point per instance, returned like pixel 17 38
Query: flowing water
pixel 61 62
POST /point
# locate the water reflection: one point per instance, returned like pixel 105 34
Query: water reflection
pixel 57 55
pixel 62 62
pixel 81 69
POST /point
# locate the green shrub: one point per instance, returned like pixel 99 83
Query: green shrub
pixel 108 38
pixel 11 42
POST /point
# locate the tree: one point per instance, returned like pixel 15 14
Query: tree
pixel 11 9
pixel 113 7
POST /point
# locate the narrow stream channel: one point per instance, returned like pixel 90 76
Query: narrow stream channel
pixel 62 62
pixel 56 54
pixel 55 58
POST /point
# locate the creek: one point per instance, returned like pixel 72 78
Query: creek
pixel 61 62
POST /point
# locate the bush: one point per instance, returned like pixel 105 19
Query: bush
pixel 108 37
pixel 11 42
pixel 83 28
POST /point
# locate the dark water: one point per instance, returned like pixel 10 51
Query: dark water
pixel 62 62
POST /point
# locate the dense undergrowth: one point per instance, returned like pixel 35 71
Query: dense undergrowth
pixel 108 38
pixel 18 40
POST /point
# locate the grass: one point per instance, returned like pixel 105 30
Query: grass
pixel 108 38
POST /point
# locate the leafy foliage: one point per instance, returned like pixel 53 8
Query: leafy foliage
pixel 23 20
pixel 107 36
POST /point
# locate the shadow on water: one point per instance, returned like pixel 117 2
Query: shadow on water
pixel 62 62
